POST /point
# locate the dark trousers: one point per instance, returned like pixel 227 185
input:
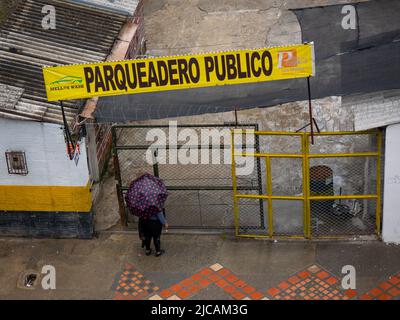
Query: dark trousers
pixel 152 230
pixel 141 231
pixel 141 228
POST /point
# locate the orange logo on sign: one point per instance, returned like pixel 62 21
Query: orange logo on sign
pixel 287 59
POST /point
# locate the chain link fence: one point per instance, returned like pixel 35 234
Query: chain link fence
pixel 329 189
pixel 345 185
pixel 194 161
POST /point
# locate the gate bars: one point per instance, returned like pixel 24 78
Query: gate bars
pixel 198 200
pixel 323 213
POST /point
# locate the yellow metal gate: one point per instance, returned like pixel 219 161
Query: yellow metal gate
pixel 329 189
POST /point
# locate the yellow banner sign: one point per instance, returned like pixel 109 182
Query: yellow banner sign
pixel 178 72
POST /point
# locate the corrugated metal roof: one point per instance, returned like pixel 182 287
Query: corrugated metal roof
pixel 82 34
pixel 123 6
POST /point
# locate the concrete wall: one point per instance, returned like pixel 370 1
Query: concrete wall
pixel 391 205
pixel 54 198
pixel 193 26
pixel 54 183
pixel 46 155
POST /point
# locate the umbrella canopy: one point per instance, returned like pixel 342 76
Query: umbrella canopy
pixel 146 196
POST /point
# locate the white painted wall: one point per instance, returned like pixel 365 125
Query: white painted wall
pixel 46 155
pixel 391 202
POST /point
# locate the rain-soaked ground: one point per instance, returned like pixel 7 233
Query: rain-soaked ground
pixel 113 266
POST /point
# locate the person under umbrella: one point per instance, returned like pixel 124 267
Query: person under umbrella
pixel 152 230
pixel 145 198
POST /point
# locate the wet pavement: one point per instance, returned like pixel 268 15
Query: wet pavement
pixel 113 266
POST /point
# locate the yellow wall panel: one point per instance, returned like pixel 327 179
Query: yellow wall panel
pixel 45 198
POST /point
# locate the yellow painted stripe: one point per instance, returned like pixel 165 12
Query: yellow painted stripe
pixel 45 198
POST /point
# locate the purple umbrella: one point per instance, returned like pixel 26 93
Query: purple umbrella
pixel 146 196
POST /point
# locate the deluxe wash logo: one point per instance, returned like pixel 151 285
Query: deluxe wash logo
pixel 67 83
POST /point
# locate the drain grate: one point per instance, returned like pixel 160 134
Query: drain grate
pixel 30 280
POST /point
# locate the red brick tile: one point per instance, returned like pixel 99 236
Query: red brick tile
pixel 204 283
pixel 224 272
pixel 196 276
pixel 248 289
pixel 165 293
pixel 283 285
pixel 214 277
pixel 385 285
pixel 183 294
pixel 238 295
pixel 293 280
pixel 331 280
pixel 141 296
pixel 222 283
pixel 206 272
pixel 230 289
pixel 394 292
pixel 366 297
pixel 232 278
pixel 384 297
pixel 119 296
pixel 240 284
pixel 304 274
pixel 187 282
pixel 322 275
pixel 350 293
pixel 176 288
pixel 394 280
pixel 256 295
pixel 194 288
pixel 375 292
pixel 273 291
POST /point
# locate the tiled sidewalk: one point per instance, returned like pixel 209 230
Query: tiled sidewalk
pixel 200 267
pixel 312 283
pixel 388 290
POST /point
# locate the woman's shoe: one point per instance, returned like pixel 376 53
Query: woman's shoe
pixel 148 252
pixel 159 253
